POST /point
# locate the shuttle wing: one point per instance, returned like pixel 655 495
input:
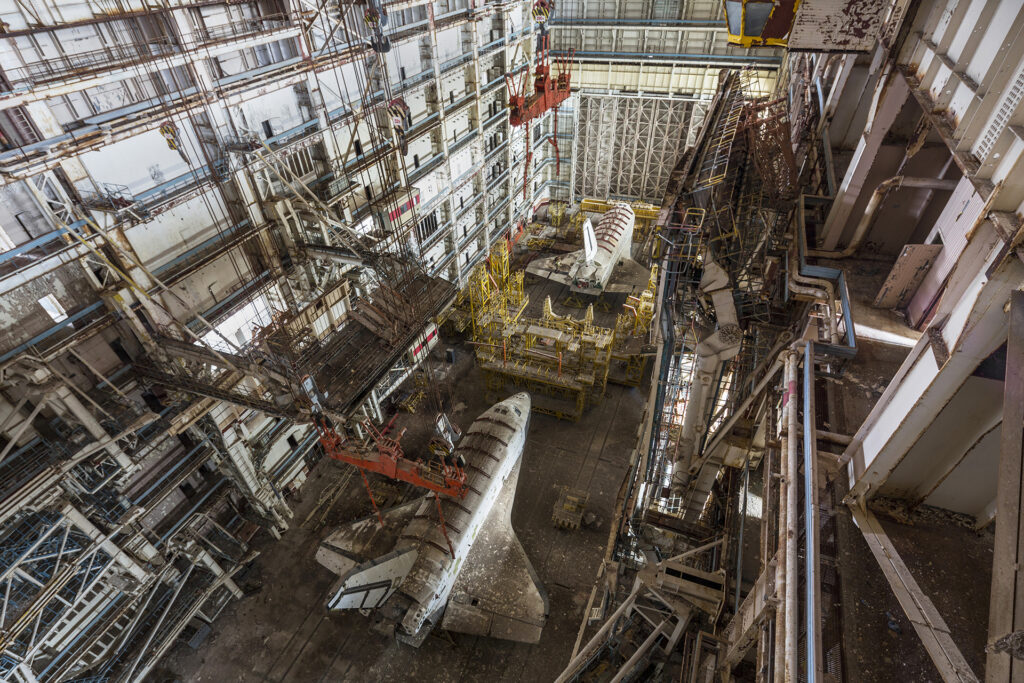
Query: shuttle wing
pixel 370 584
pixel 364 540
pixel 553 268
pixel 497 593
pixel 627 276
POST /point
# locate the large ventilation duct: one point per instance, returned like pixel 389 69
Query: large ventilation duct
pixel 712 351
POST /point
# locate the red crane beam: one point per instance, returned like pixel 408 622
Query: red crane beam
pixel 386 457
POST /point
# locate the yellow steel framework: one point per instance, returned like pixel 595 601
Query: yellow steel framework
pixel 632 332
pixel 563 361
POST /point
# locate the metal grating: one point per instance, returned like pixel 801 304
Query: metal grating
pixel 627 147
pixel 997 124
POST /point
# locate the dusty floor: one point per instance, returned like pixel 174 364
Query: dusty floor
pixel 283 633
pixel 951 563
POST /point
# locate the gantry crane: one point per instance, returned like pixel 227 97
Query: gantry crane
pixel 383 454
pixel 549 90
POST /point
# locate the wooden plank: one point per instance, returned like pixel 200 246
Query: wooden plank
pixel 920 610
pixel 906 275
pixel 1006 606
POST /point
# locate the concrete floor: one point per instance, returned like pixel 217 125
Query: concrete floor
pixel 951 563
pixel 283 632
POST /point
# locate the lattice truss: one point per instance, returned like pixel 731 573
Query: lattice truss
pixel 628 146
pixel 47 565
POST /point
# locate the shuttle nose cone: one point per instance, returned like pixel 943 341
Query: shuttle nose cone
pixel 521 400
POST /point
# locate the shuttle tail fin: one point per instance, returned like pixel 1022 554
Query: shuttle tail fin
pixel 589 241
pixel 370 584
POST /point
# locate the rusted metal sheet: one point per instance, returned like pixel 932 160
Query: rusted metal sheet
pixel 838 25
pixel 907 273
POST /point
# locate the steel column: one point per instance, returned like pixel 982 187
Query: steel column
pixel 1006 608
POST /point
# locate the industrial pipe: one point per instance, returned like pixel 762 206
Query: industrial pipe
pixel 831 274
pixel 875 203
pixel 817 288
pixel 792 472
pixel 813 609
pixel 780 569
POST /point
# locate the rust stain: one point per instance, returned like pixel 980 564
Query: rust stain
pixel 844 26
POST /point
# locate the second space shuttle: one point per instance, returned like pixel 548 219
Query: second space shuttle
pixel 472 576
pixel 605 263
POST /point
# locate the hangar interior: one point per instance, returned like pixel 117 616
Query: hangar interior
pixel 598 340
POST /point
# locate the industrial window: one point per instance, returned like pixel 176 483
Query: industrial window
pixel 451 97
pixel 416 160
pixel 292 441
pixel 427 226
pixel 755 18
pixel 369 193
pixel 268 132
pixel 358 146
pixel 733 13
pixel 401 72
pixel 53 308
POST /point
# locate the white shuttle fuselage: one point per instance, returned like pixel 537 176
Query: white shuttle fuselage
pixel 422 574
pixel 605 248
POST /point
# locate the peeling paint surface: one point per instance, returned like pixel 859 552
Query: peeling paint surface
pixel 837 25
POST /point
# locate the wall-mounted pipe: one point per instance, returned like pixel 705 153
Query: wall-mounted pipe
pixel 877 197
pixel 780 563
pixel 849 349
pixel 792 474
pixel 811 552
pixel 817 288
